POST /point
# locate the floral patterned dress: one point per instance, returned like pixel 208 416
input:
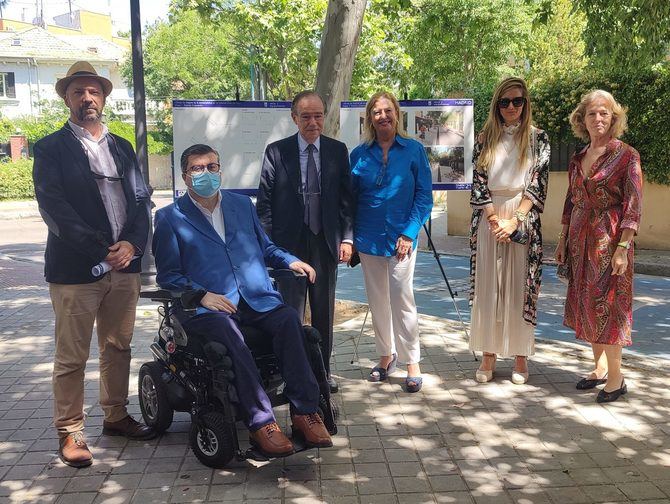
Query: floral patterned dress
pixel 599 305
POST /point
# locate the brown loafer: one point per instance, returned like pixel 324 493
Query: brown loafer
pixel 312 430
pixel 270 441
pixel 128 427
pixel 73 450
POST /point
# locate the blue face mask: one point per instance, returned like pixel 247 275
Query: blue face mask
pixel 206 184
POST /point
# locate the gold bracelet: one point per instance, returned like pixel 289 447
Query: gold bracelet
pixel 561 234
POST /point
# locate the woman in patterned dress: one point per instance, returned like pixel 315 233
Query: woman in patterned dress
pixel 509 186
pixel 600 217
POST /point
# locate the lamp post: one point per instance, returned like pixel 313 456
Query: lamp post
pixel 148 270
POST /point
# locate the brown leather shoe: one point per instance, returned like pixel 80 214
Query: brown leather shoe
pixel 271 441
pixel 73 450
pixel 128 427
pixel 312 430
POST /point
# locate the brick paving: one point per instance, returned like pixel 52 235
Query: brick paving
pixel 455 442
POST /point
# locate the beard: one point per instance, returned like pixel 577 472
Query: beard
pixel 89 113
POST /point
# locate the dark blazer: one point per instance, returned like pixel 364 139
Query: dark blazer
pixel 278 190
pixel 189 251
pixel 70 203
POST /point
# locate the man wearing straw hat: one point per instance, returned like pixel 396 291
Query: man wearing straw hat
pixel 93 199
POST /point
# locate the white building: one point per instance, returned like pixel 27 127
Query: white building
pixel 33 59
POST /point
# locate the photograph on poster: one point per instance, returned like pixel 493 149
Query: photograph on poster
pixel 361 123
pixel 439 127
pixel 447 164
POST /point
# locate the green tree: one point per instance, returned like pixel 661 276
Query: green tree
pixel 627 33
pixel 458 45
pixel 382 61
pixel 189 58
pixel 556 47
pixel 277 39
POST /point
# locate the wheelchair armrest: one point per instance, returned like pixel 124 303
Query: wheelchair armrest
pixel 160 295
pixel 292 286
pixel 190 299
pixel 284 273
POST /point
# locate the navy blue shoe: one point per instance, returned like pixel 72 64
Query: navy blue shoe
pixel 378 373
pixel 413 383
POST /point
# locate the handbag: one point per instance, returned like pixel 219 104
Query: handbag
pixel 563 271
pixel 355 260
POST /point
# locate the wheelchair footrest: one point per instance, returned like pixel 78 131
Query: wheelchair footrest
pixel 253 454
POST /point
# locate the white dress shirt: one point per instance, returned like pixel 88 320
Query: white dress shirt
pixel 215 217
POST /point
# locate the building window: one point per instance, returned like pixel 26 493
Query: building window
pixel 7 87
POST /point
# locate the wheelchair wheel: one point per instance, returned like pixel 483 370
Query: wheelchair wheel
pixel 154 402
pixel 331 425
pixel 212 440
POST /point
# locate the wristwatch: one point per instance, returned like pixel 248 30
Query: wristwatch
pixel 624 244
pixel 520 216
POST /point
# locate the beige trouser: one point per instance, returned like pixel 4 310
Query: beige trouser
pixel 389 285
pixel 111 303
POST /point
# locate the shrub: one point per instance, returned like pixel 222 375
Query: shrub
pixel 16 180
pixel 647 96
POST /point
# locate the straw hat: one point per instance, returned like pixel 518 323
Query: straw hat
pixel 82 69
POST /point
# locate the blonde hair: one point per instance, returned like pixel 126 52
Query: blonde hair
pixel 619 117
pixel 493 127
pixel 369 132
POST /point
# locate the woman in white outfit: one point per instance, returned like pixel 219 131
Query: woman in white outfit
pixel 510 175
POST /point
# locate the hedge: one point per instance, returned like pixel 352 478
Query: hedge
pixel 16 180
pixel 645 94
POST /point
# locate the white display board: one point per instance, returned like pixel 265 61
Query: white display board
pixel 445 127
pixel 238 130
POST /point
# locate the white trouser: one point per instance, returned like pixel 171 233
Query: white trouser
pixel 390 291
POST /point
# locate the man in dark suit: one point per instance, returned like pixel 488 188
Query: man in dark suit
pixel 93 199
pixel 210 240
pixel 305 205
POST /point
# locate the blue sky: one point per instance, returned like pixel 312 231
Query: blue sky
pixel 150 10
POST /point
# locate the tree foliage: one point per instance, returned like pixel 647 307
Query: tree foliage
pixel 456 45
pixel 556 47
pixel 626 33
pixel 277 40
pixel 190 58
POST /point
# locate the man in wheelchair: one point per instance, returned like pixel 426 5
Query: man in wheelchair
pixel 211 240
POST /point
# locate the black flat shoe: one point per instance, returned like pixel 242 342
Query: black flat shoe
pixel 333 386
pixel 604 397
pixel 589 383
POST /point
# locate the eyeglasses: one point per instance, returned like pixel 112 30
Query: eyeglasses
pixel 198 169
pixel 519 101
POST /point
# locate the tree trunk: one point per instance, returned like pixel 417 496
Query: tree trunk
pixel 339 43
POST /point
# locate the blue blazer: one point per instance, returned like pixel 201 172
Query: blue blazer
pixel 189 251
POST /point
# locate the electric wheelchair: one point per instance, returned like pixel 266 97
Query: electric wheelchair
pixel 192 374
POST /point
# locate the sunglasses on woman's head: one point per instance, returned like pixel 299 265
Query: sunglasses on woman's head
pixel 519 101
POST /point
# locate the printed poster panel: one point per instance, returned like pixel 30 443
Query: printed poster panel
pixel 238 130
pixel 444 127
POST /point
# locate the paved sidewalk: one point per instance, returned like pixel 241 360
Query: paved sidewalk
pixel 456 441
pixel 648 262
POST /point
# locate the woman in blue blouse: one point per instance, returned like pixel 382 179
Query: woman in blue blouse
pixel 392 183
